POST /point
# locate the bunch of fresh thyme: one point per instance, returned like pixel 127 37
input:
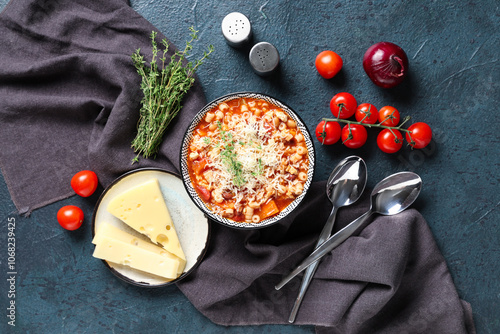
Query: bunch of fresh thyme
pixel 163 88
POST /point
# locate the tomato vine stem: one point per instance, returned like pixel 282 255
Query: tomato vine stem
pixel 399 127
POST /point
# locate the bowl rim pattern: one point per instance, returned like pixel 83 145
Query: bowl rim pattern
pixel 187 179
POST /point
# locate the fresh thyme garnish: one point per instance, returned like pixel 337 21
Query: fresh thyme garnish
pixel 235 167
pixel 260 168
pixel 163 89
pixel 229 157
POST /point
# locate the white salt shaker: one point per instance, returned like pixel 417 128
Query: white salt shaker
pixel 237 29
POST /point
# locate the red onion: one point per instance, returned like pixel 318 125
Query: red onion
pixel 386 64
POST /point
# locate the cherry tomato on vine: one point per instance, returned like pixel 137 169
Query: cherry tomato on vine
pixel 421 135
pixel 366 112
pixel 328 64
pixel 328 133
pixel 84 183
pixel 390 142
pixel 343 105
pixel 354 135
pixel 70 217
pixel 388 116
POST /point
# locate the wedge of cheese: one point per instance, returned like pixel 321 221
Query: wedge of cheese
pixel 120 252
pixel 143 208
pixel 107 231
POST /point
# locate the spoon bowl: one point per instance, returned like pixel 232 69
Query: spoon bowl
pixel 395 193
pixel 347 181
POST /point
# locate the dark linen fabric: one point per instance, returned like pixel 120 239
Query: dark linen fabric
pixel 391 278
pixel 69 96
pixel 69 100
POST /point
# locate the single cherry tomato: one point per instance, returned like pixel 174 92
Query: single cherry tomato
pixel 328 133
pixel 366 112
pixel 354 135
pixel 421 135
pixel 388 116
pixel 390 142
pixel 84 183
pixel 343 105
pixel 328 64
pixel 70 217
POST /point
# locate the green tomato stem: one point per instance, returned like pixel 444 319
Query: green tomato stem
pixel 399 127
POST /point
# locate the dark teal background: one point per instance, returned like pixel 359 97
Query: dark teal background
pixel 453 50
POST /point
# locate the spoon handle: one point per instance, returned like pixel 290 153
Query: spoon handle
pixel 335 240
pixel 308 275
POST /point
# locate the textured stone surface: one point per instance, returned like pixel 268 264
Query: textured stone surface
pixel 453 86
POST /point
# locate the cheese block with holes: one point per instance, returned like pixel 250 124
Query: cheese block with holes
pixel 109 231
pixel 128 254
pixel 143 208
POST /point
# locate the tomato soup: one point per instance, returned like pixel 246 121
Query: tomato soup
pixel 247 160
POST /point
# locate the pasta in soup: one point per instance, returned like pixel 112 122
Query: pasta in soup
pixel 247 160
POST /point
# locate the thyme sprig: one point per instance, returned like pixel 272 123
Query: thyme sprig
pixel 163 87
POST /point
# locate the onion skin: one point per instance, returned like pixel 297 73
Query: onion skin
pixel 386 64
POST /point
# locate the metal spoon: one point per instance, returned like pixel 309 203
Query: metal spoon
pixel 344 187
pixel 390 196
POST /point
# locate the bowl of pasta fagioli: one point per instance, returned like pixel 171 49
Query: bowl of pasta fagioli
pixel 247 160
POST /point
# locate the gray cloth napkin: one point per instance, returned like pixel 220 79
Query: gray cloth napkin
pixel 69 96
pixel 69 100
pixel 390 279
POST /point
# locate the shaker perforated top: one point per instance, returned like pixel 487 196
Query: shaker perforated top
pixel 264 58
pixel 236 29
